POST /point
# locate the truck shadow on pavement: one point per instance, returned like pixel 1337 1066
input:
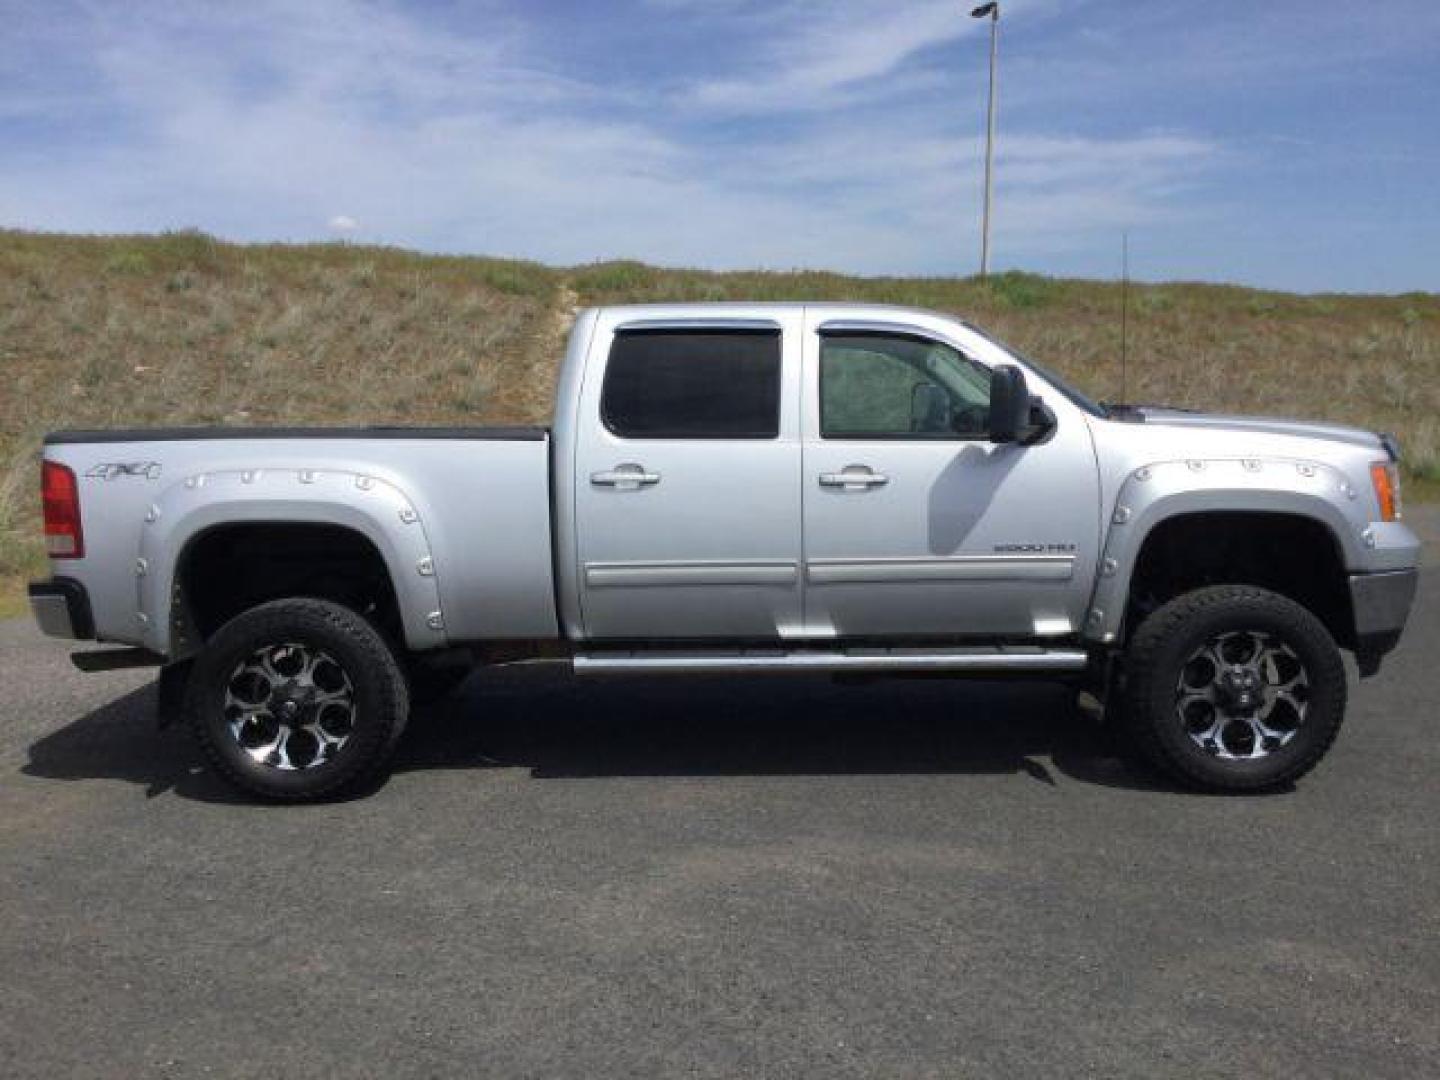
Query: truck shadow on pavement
pixel 559 727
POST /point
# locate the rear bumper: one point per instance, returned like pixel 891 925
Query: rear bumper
pixel 1381 604
pixel 62 608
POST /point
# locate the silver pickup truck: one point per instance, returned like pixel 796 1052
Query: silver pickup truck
pixel 743 488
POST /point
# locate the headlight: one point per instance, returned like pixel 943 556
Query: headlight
pixel 1385 476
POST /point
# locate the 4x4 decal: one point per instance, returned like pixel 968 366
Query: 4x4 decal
pixel 148 470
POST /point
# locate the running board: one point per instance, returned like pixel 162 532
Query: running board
pixel 997 659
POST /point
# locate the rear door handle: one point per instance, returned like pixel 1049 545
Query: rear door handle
pixel 626 477
pixel 854 478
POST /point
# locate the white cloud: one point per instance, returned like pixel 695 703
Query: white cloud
pixel 445 142
pixel 817 57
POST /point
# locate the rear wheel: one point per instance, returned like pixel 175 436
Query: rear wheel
pixel 297 699
pixel 1233 688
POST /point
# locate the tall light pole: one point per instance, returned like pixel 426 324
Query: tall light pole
pixel 989 11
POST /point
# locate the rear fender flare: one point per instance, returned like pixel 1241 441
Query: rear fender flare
pixel 369 505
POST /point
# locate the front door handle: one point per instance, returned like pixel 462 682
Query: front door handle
pixel 854 478
pixel 627 477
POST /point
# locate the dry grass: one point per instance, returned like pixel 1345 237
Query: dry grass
pixel 179 328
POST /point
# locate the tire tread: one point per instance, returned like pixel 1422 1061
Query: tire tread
pixel 1143 663
pixel 382 732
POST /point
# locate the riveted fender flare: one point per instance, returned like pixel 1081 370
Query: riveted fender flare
pixel 1166 490
pixel 369 505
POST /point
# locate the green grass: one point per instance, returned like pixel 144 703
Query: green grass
pixel 182 328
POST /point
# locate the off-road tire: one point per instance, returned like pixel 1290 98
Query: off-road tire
pixel 380 697
pixel 1165 641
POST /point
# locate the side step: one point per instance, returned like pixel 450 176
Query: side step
pixel 742 661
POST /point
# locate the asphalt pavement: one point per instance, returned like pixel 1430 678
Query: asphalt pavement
pixel 768 877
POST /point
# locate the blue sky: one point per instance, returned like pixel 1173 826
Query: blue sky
pixel 1288 144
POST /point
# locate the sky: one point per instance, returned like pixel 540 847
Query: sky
pixel 1289 144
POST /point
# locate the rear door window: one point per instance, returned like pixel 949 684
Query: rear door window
pixel 693 384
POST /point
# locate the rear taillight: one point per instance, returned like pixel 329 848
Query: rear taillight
pixel 64 539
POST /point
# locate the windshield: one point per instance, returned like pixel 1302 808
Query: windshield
pixel 1074 396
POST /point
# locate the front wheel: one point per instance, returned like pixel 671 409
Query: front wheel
pixel 297 699
pixel 1233 688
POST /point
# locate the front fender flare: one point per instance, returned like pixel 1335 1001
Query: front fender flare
pixel 1168 489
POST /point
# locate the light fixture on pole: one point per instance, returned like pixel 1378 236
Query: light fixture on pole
pixel 989 11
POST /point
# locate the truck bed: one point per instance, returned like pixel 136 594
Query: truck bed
pixel 193 434
pixel 460 515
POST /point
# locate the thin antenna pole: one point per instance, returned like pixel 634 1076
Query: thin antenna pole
pixel 1124 306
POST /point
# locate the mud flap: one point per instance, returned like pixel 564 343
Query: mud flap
pixel 173 681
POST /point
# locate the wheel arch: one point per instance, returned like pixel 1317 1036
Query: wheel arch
pixel 374 513
pixel 1231 496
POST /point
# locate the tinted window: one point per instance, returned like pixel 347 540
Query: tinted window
pixel 693 384
pixel 886 386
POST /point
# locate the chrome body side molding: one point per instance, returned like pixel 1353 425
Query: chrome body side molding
pixel 743 572
pixel 957 568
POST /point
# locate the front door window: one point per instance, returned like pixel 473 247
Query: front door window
pixel 885 386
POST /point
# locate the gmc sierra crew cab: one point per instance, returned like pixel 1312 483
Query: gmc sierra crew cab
pixel 743 488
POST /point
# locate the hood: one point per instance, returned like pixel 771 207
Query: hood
pixel 1262 424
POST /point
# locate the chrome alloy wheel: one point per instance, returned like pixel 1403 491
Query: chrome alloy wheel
pixel 1242 695
pixel 290 706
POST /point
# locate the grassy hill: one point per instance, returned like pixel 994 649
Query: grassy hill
pixel 180 328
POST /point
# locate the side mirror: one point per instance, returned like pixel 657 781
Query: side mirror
pixel 930 409
pixel 1009 404
pixel 1041 424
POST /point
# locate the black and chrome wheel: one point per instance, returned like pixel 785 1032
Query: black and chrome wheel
pixel 1242 695
pixel 1234 688
pixel 297 699
pixel 290 706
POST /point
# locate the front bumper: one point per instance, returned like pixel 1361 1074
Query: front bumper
pixel 62 608
pixel 1381 604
